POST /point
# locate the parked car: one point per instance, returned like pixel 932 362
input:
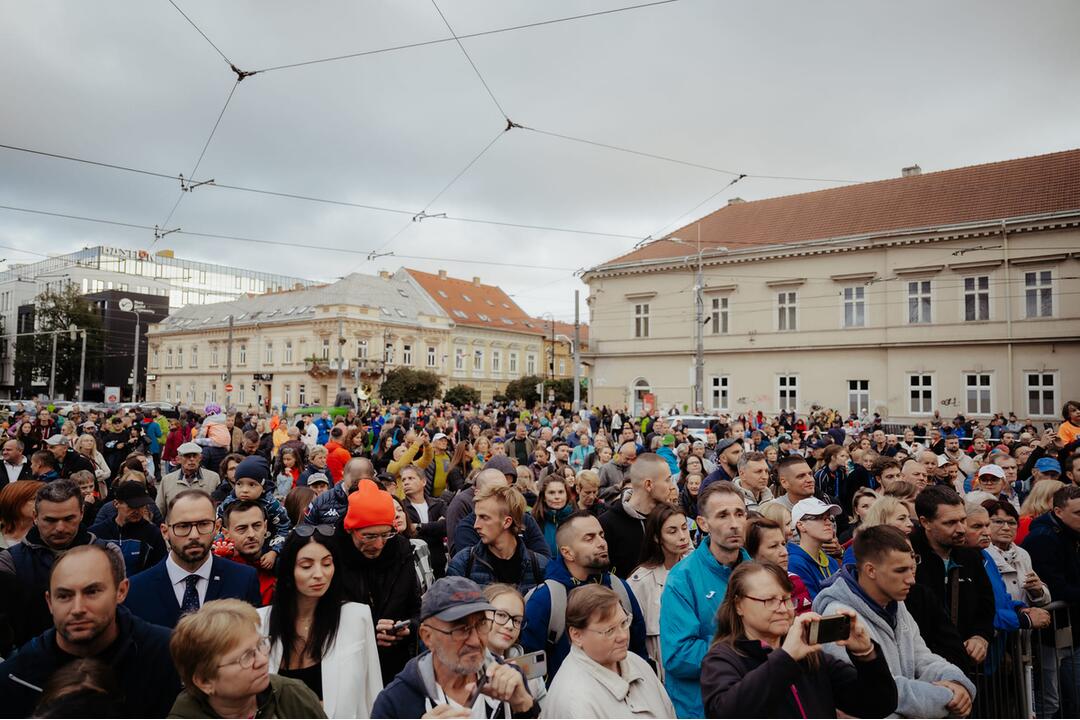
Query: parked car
pixel 695 425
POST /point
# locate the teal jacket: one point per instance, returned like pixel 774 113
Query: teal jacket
pixel 693 592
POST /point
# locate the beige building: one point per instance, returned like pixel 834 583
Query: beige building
pixel 952 292
pixel 285 344
pixel 493 340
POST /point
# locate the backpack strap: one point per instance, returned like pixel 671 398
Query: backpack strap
pixel 557 617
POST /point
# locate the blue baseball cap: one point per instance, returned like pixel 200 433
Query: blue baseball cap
pixel 1046 464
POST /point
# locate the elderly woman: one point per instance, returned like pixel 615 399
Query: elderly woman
pixel 600 678
pixel 224 664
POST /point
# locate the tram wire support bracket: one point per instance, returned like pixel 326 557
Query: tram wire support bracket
pixel 188 186
pixel 159 233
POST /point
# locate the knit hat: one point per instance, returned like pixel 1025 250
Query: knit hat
pixel 255 467
pixel 369 506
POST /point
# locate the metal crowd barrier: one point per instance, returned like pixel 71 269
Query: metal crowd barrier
pixel 1030 673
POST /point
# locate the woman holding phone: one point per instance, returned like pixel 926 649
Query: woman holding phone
pixel 506 625
pixel 762 663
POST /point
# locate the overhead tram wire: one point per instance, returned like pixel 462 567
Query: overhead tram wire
pixel 482 33
pixel 473 64
pixel 199 30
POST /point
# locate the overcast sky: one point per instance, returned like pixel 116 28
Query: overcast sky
pixel 842 90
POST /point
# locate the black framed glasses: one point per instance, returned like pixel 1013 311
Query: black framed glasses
pixel 461 633
pixel 183 529
pixel 501 617
pixel 306 531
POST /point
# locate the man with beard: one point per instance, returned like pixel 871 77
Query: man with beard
pixel 246 529
pixel 85 592
pixel 728 451
pixel 583 558
pixel 191 575
pixel 25 567
pixel 455 620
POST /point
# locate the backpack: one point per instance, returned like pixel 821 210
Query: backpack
pixel 557 618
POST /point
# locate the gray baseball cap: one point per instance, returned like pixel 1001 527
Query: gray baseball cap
pixel 452 598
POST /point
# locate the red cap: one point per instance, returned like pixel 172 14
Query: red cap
pixel 369 506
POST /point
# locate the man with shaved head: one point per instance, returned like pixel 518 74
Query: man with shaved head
pixel 624 522
pixel 328 508
pixel 615 472
pixel 915 472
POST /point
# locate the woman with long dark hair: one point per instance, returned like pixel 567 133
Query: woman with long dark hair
pixel 761 663
pixel 551 508
pixel 316 639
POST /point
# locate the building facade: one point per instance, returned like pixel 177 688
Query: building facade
pixel 948 292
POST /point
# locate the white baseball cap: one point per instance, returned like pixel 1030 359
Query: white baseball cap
pixel 943 460
pixel 439 436
pixel 812 507
pixel 991 469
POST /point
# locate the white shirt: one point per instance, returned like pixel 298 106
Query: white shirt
pixel 13 471
pixel 178 577
pixel 421 510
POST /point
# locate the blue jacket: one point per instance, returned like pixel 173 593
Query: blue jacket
pixel 808 569
pixel 327 508
pixel 325 425
pixel 153 435
pixel 693 592
pixel 538 613
pixel 465 535
pixel 152 598
pixel 669 457
pixel 475 563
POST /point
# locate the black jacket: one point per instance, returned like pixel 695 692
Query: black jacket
pixel 433 532
pixel 139 657
pixel 624 535
pixel 973 597
pixel 73 462
pixel 758 682
pixel 389 586
pixel 141 543
pixel 1055 557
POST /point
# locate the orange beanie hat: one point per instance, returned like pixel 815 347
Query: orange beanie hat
pixel 369 506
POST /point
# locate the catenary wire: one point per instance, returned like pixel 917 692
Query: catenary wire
pixel 469 58
pixel 199 30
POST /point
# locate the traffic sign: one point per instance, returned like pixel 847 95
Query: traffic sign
pixel 228 387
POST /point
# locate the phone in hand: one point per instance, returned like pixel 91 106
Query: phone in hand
pixel 398 626
pixel 481 681
pixel 828 629
pixel 533 664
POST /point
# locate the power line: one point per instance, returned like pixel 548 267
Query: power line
pixel 483 33
pixel 469 58
pixel 198 30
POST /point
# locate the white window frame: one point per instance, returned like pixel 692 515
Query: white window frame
pixel 288 354
pixel 496 362
pixel 168 358
pixel 388 353
pixel 1038 288
pixel 325 348
pixel 720 392
pixel 287 394
pixel 301 393
pixel 860 394
pixel 432 356
pixel 180 356
pixel 787 391
pixel 361 349
pixel 154 359
pixel 719 315
pixel 241 354
pixel 787 311
pixel 1053 405
pixel 513 363
pixel 478 361
pixel 920 292
pixel 641 320
pixel 214 355
pixel 973 381
pixel 530 364
pixel 406 354
pixel 974 293
pixel 194 356
pixel 922 387
pixel 459 359
pixel 855 301
pixel 562 366
pixel 268 353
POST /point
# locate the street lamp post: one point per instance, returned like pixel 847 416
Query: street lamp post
pixel 138 308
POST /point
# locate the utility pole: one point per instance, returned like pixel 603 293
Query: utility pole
pixel 135 367
pixel 228 363
pixel 551 356
pixel 52 371
pixel 577 351
pixel 340 342
pixel 699 360
pixel 82 368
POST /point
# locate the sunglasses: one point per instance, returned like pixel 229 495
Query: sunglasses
pixel 306 531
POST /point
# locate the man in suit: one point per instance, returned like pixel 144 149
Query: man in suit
pixel 191 475
pixel 191 575
pixel 16 464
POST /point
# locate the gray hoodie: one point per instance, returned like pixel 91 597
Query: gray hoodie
pixel 914 667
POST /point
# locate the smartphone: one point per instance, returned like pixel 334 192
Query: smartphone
pixel 481 681
pixel 828 629
pixel 400 625
pixel 533 664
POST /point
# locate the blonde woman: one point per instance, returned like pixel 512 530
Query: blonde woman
pixel 1039 501
pixel 886 510
pixel 86 446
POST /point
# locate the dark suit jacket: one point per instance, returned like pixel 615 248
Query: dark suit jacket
pixel 151 595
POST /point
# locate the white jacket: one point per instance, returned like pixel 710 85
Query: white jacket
pixel 585 689
pixel 648 585
pixel 351 676
pixel 1014 564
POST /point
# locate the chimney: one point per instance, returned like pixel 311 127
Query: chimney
pixel 910 171
pixel 735 201
pixel 476 282
pixel 384 274
pixel 442 274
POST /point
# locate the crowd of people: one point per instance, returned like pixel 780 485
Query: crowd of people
pixel 504 561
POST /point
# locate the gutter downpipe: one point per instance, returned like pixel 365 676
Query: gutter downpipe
pixel 1008 315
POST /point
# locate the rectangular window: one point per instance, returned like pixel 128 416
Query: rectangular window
pixel 562 366
pixel 496 362
pixel 288 353
pixel 241 354
pixel 213 356
pixel 641 320
pixel 719 319
pixel 855 306
pixel 513 363
pixel 194 356
pixel 920 394
pixel 179 357
pixel 530 364
pixel 478 360
pixel 361 349
pixel 268 353
pixel 459 358
pixel 169 358
pixel 720 392
pixel 787 392
pixel 785 311
pixel 153 358
pixel 432 356
pixel 977 393
pixel 388 353
pixel 236 282
pixel 977 298
pixel 240 394
pixel 326 348
pixel 1042 393
pixel 918 292
pixel 1038 294
pixel 301 393
pixel 406 354
pixel 202 277
pixel 858 396
pixel 288 394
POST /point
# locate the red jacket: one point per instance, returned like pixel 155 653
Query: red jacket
pixel 336 458
pixel 267 578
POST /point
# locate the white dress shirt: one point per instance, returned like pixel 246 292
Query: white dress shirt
pixel 13 471
pixel 178 577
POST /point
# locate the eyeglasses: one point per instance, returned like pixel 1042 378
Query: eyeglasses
pixel 368 538
pixel 306 531
pixel 501 617
pixel 183 529
pixel 608 634
pixel 246 660
pixel 1004 521
pixel 774 603
pixel 461 633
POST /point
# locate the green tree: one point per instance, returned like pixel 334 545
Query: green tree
pixel 59 310
pixel 462 395
pixel 524 388
pixel 407 385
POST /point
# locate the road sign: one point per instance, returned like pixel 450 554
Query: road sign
pixel 228 387
pixel 112 395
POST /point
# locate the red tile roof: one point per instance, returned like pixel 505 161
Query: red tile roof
pixel 1011 188
pixel 563 328
pixel 473 304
